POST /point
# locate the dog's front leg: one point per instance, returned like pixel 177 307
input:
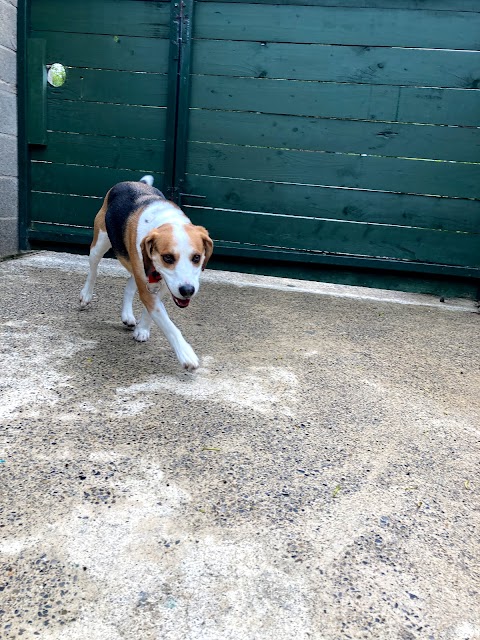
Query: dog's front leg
pixel 155 310
pixel 184 352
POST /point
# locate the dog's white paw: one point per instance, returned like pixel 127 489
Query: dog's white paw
pixel 141 335
pixel 128 320
pixel 85 298
pixel 187 357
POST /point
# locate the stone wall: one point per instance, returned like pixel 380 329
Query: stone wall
pixel 8 129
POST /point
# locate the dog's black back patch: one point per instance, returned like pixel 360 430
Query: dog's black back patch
pixel 124 198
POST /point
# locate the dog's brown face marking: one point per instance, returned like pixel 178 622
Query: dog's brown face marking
pixel 200 242
pixel 160 246
pixel 163 246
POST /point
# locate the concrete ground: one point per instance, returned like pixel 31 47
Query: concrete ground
pixel 318 477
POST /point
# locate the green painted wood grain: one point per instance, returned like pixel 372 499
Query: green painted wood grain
pixel 106 119
pixel 437 280
pixel 101 151
pixel 122 53
pixel 108 41
pixel 342 204
pixel 330 236
pixel 336 100
pixel 337 170
pixel 81 180
pixel 36 104
pixel 346 136
pixel 333 236
pixel 119 87
pixel 449 281
pixel 420 5
pixel 116 17
pixel 338 25
pixel 67 209
pixel 330 63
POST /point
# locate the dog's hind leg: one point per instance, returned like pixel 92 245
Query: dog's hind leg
pixel 128 318
pixel 100 245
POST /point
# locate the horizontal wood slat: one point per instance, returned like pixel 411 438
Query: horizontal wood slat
pixel 139 18
pixel 337 25
pixel 420 5
pixel 106 119
pixel 341 204
pixel 388 272
pixel 315 134
pixel 80 180
pixel 339 170
pixel 121 53
pixel 101 151
pixel 119 87
pixel 67 209
pixel 76 210
pixel 333 236
pixel 331 100
pixel 330 63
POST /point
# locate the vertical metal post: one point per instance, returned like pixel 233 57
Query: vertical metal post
pixel 178 98
pixel 183 96
pixel 23 155
pixel 172 100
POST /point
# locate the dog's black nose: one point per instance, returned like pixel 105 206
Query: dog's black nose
pixel 186 290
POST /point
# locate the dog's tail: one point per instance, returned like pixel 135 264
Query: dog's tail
pixel 147 180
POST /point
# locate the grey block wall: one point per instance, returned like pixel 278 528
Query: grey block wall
pixel 8 129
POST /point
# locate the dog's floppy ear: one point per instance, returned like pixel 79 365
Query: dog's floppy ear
pixel 207 245
pixel 146 247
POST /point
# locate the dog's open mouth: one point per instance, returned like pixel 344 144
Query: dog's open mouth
pixel 182 303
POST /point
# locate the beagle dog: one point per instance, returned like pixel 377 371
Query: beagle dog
pixel 163 251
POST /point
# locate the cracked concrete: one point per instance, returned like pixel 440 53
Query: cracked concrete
pixel 317 478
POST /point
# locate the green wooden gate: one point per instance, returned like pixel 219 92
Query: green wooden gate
pixel 325 132
pixel 108 121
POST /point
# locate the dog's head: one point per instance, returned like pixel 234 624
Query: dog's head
pixel 178 253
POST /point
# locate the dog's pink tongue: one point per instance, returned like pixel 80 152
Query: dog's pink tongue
pixel 181 303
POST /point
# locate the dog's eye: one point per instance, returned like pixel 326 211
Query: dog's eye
pixel 196 258
pixel 168 258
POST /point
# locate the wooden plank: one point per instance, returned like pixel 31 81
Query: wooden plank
pixel 101 151
pixel 36 107
pixel 397 243
pixel 397 275
pixel 330 63
pixel 106 119
pixel 333 236
pixel 420 5
pixel 121 53
pixel 137 18
pixel 345 136
pixel 353 205
pixel 331 100
pixel 67 209
pixel 119 87
pixel 336 170
pixel 60 235
pixel 390 274
pixel 337 25
pixel 83 181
